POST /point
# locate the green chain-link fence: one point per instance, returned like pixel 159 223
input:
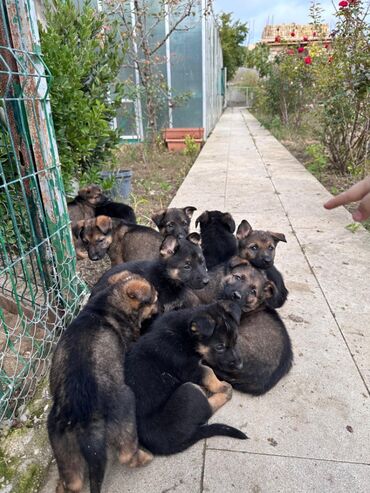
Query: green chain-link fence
pixel 39 288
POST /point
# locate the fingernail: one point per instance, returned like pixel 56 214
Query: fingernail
pixel 357 216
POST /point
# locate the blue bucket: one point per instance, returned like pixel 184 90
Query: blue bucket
pixel 120 192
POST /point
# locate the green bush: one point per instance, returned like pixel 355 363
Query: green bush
pixel 81 48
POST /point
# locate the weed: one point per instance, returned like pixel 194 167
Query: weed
pixel 191 147
pixel 318 160
pixel 353 227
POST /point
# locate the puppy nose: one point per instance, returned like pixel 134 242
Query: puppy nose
pixel 94 257
pixel 236 365
pixel 236 295
pixel 205 280
pixel 180 236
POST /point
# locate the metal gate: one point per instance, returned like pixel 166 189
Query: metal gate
pixel 39 288
pixel 239 95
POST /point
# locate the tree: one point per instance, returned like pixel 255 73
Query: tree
pixel 258 58
pixel 233 35
pixel 142 30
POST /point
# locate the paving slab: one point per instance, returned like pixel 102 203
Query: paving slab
pixel 311 432
pixel 252 473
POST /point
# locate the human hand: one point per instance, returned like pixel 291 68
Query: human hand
pixel 359 191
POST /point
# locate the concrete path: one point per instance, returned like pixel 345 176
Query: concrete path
pixel 311 433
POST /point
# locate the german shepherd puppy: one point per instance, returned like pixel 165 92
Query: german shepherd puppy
pixel 174 221
pixel 92 407
pixel 122 241
pixel 84 204
pixel 263 341
pixel 259 248
pixel 91 202
pixel 165 373
pixel 218 241
pixel 179 269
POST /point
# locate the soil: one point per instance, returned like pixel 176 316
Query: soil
pixel 157 174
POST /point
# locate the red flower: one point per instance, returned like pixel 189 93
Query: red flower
pixel 327 46
pixel 314 34
pixel 308 60
pixel 290 52
pixel 292 34
pixel 300 49
pixel 330 59
pixel 343 4
pixel 305 38
pixel 277 39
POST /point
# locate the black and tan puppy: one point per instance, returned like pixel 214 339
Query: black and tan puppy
pixel 263 341
pixel 91 202
pixel 92 407
pixel 218 241
pixel 122 241
pixel 164 371
pixel 84 205
pixel 259 247
pixel 174 221
pixel 179 269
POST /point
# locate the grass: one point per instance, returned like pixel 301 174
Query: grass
pixel 157 174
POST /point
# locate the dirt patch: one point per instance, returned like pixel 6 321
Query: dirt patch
pixel 157 174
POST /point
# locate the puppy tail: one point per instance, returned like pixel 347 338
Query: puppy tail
pixel 207 431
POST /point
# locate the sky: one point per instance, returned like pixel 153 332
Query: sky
pixel 258 12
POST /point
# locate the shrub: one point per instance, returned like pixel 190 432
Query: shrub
pixel 82 50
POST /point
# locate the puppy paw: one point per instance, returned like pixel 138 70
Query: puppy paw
pixel 226 389
pixel 141 458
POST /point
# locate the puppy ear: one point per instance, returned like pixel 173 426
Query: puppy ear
pixel 83 192
pixel 277 237
pixel 231 309
pixel 244 230
pixel 138 289
pixel 77 229
pixel 228 220
pixel 269 289
pixel 157 218
pixel 189 211
pixel 203 218
pixel 194 238
pixel 202 325
pixel 235 261
pixel 120 276
pixel 169 246
pixel 104 223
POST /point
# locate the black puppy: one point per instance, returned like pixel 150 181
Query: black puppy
pixel 174 221
pixel 116 209
pixel 263 341
pixel 92 407
pixel 164 371
pixel 218 241
pixel 259 247
pixel 179 269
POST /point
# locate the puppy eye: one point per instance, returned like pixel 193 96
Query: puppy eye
pixel 187 266
pixel 100 240
pixel 253 291
pixel 184 223
pixel 220 347
pixel 271 247
pixel 170 225
pixel 237 277
pixel 254 247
